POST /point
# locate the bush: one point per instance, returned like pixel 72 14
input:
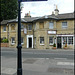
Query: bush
pixel 5 41
pixel 54 45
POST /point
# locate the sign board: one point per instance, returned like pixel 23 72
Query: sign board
pixel 30 0
pixel 25 31
pixel 51 32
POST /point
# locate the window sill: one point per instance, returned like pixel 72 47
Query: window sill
pixel 41 44
pixel 4 31
pixel 29 30
pixel 12 43
pixel 50 44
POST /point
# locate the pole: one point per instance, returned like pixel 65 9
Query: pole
pixel 19 58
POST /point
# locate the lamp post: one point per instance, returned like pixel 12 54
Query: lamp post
pixel 19 54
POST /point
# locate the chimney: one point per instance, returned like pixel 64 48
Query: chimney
pixel 27 14
pixel 52 12
pixel 56 11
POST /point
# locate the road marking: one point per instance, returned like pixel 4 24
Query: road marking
pixel 61 58
pixel 65 63
pixel 8 71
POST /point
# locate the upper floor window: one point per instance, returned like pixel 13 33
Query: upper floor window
pixel 64 25
pixel 51 25
pixel 41 40
pixel 29 27
pixel 22 26
pixel 41 25
pixel 12 26
pixel 4 28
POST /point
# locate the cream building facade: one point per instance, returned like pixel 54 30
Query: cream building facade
pixel 41 32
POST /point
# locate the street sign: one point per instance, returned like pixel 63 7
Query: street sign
pixel 30 0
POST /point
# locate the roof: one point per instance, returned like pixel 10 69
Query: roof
pixel 4 22
pixel 65 16
pixel 31 19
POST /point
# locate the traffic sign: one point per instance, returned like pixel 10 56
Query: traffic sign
pixel 30 0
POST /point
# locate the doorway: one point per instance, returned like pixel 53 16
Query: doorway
pixel 59 42
pixel 30 42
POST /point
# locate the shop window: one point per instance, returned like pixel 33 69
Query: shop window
pixel 29 27
pixel 4 28
pixel 64 25
pixel 13 40
pixel 64 40
pixel 51 25
pixel 41 25
pixel 51 40
pixel 70 40
pixel 41 40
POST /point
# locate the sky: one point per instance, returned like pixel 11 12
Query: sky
pixel 42 8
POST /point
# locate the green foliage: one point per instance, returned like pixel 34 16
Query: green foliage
pixel 5 41
pixel 54 45
pixel 9 9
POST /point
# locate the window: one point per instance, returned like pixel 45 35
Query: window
pixel 51 25
pixel 64 40
pixel 64 25
pixel 13 40
pixel 22 26
pixel 41 40
pixel 41 25
pixel 70 40
pixel 29 27
pixel 4 38
pixel 12 26
pixel 22 40
pixel 4 28
pixel 51 40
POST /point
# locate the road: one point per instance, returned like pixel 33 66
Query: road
pixel 38 62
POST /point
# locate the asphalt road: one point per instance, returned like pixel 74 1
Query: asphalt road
pixel 38 62
pixel 69 54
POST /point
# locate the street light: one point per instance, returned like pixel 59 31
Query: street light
pixel 19 46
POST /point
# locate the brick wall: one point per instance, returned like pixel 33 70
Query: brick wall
pixel 4 44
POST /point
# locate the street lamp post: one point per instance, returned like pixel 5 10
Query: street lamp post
pixel 19 54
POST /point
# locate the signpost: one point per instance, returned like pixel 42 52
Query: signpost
pixel 19 54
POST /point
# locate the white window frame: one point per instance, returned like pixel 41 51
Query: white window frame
pixel 4 30
pixel 40 40
pixel 52 40
pixel 64 27
pixel 51 25
pixel 13 41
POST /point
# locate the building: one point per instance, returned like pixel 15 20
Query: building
pixel 41 32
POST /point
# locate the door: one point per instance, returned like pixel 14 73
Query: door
pixel 58 42
pixel 30 42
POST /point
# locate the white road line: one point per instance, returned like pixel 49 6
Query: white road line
pixel 65 63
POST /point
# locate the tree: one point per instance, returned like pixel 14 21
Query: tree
pixel 9 9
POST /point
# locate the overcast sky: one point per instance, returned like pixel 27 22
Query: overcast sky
pixel 42 8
